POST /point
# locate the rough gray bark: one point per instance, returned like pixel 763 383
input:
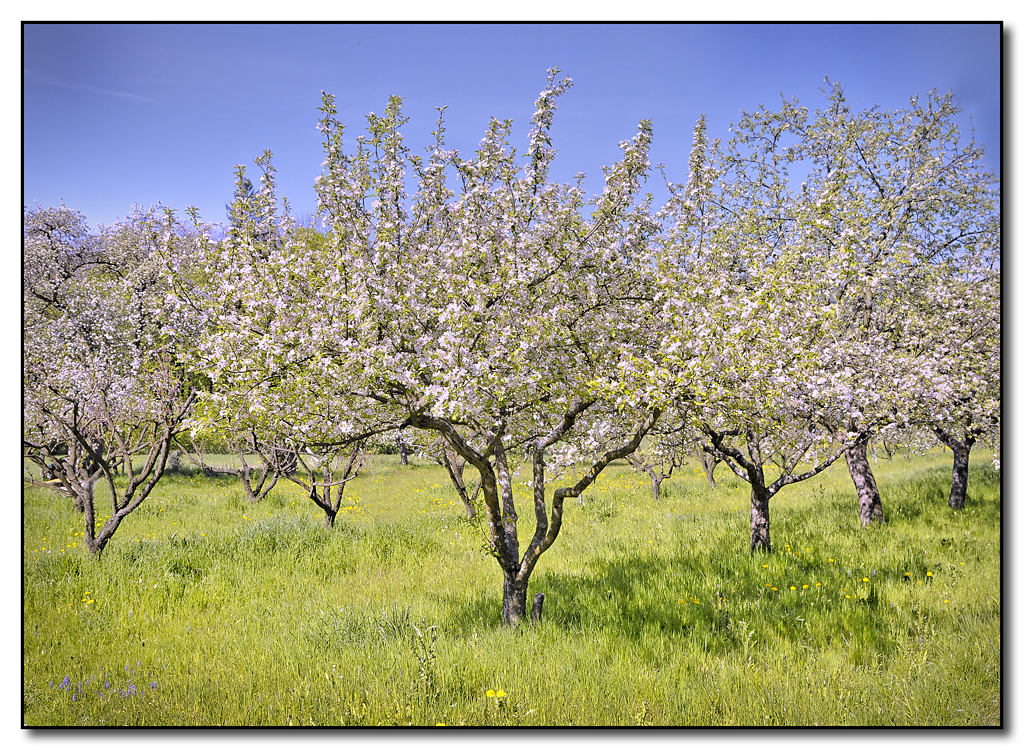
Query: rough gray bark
pixel 961 462
pixel 760 518
pixel 509 517
pixel 958 488
pixel 864 480
pixel 513 601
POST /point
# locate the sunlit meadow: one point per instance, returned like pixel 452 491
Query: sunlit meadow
pixel 208 610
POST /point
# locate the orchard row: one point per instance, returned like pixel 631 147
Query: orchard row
pixel 824 281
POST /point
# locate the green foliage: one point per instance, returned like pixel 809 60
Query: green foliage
pixel 209 610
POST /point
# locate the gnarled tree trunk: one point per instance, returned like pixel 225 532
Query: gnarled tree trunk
pixel 958 489
pixel 709 463
pixel 513 600
pixel 961 459
pixel 499 504
pixel 864 480
pixel 656 480
pixel 760 520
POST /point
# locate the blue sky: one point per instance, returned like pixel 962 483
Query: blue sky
pixel 123 114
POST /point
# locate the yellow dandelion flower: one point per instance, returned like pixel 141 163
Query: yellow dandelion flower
pixel 792 588
pixel 501 693
pixel 490 693
pixel 806 586
pixel 929 574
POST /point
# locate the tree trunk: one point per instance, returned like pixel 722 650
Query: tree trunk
pixel 98 543
pixel 760 522
pixel 538 607
pixel 655 487
pixel 958 490
pixel 468 502
pixel 403 451
pixel 513 604
pixel 455 467
pixel 509 517
pixel 78 503
pixel 961 458
pixel 709 463
pixel 863 479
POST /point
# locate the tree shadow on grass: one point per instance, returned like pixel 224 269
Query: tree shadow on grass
pixel 634 595
pixel 615 597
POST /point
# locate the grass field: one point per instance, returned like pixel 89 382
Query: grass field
pixel 208 610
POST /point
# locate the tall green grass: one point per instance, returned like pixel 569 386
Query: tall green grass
pixel 208 610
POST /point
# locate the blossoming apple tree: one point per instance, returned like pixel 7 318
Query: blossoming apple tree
pixel 738 279
pixel 104 380
pixel 260 294
pixel 957 335
pixel 904 210
pixel 888 202
pixel 490 309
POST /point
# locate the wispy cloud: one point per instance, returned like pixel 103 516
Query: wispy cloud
pixel 50 80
